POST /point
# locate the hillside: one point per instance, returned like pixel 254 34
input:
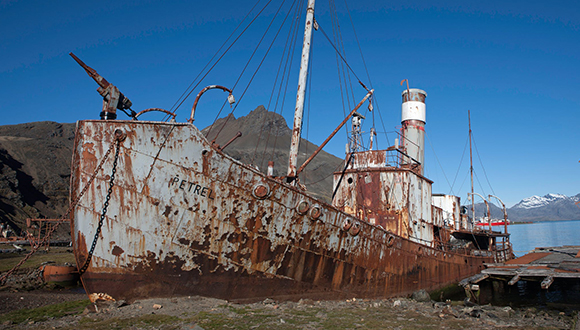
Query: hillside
pixel 35 171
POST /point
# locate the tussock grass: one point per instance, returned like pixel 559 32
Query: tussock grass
pixel 58 254
pixel 45 312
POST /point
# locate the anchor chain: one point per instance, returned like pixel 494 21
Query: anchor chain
pixel 46 238
pixel 103 213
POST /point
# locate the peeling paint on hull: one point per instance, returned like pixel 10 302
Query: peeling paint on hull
pixel 186 219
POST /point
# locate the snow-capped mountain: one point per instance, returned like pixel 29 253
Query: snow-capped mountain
pixel 537 201
pixel 538 208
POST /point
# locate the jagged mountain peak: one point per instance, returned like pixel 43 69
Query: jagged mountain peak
pixel 539 201
pixel 258 122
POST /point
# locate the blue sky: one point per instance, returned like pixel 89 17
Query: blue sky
pixel 515 65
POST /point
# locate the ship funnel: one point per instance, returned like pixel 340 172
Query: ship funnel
pixel 413 130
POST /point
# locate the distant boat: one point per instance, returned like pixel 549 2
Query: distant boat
pixel 484 222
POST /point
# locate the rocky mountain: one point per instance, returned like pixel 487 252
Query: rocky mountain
pixel 537 208
pixel 34 172
pixel 35 162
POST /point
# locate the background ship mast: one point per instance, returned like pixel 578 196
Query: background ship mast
pixel 471 169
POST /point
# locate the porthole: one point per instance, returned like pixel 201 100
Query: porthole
pixel 346 224
pixel 261 191
pixel 390 240
pixel 355 229
pixel 315 212
pixel 302 207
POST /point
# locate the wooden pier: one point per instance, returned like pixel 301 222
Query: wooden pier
pixel 540 268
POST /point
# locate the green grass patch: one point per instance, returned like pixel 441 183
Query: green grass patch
pixel 305 312
pixel 238 310
pixel 43 313
pixel 58 254
pixel 152 321
pixel 246 319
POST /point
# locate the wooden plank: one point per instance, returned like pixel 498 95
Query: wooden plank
pixel 528 258
pixel 547 282
pixel 533 273
pixel 480 278
pixel 514 279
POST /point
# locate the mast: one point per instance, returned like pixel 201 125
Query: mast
pixel 293 158
pixel 471 170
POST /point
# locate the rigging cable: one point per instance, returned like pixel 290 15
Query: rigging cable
pixel 290 39
pixel 343 50
pixel 174 108
pixel 438 162
pixel 257 69
pixel 339 54
pixel 225 52
pixel 338 68
pixel 481 163
pixel 339 64
pixel 375 101
pixel 464 179
pixel 285 83
pixel 459 167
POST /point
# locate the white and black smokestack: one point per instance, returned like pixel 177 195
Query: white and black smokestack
pixel 413 130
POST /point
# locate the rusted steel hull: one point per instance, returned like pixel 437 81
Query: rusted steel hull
pixel 186 219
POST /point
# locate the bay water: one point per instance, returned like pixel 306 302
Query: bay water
pixel 526 237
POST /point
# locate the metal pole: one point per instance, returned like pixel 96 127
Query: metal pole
pixel 293 158
pixel 471 169
pixel 488 215
pixel 505 217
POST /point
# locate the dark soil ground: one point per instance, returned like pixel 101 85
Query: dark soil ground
pixel 28 303
pixel 76 312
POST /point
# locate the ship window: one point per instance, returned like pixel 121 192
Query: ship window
pixel 349 180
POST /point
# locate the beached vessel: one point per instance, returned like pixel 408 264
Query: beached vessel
pixel 166 212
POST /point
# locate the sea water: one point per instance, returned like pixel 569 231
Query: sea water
pixel 526 237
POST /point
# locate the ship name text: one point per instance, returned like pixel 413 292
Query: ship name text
pixel 191 187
